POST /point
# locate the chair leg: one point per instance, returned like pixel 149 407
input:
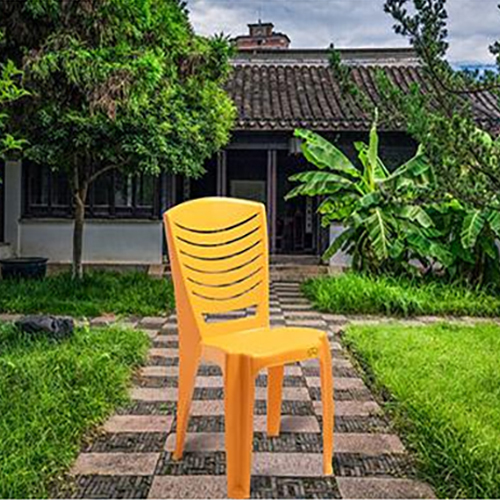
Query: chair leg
pixel 188 367
pixel 328 406
pixel 274 397
pixel 239 393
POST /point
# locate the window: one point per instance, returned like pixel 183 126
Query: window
pixel 47 194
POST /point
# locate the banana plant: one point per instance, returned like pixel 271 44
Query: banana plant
pixel 385 224
pixel 471 235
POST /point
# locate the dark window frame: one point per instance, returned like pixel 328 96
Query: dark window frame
pixel 93 211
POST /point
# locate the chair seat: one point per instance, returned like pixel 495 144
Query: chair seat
pixel 297 342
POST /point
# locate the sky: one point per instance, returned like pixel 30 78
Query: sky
pixel 473 24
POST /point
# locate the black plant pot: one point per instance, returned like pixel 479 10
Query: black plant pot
pixel 24 268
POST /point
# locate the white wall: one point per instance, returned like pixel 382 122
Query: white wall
pixel 104 241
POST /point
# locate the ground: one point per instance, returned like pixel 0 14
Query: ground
pixel 132 454
pixel 132 458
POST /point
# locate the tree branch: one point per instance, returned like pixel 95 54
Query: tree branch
pixel 100 172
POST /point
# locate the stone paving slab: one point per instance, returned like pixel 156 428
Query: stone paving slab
pixel 103 320
pixel 368 444
pixel 182 487
pixel 132 457
pixel 152 323
pixel 138 423
pixel 288 464
pixel 351 408
pixel 383 488
pixel 119 464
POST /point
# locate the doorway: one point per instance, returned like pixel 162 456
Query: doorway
pixel 298 229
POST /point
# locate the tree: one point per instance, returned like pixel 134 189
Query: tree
pixel 117 84
pixel 458 135
pixel 455 134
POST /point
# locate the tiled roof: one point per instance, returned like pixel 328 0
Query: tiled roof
pixel 274 96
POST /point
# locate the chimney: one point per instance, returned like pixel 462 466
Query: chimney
pixel 262 36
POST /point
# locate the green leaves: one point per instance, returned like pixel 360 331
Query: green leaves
pixel 385 227
pixel 415 213
pixel 415 172
pixel 318 184
pixel 371 166
pixel 449 121
pixel 494 221
pixel 10 91
pixel 325 155
pixel 125 83
pixel 119 84
pixel 378 232
pixel 472 226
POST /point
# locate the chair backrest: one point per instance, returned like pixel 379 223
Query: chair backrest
pixel 218 249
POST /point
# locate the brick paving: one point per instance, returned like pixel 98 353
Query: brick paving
pixel 132 457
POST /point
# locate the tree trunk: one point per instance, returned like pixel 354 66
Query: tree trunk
pixel 80 198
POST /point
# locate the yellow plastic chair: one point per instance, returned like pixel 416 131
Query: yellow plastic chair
pixel 219 258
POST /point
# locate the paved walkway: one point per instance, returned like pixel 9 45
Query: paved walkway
pixel 132 458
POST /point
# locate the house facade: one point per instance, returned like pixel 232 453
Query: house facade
pixel 276 90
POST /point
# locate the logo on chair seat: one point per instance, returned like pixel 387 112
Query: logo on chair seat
pixel 312 352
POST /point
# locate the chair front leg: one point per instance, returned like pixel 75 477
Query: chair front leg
pixel 328 405
pixel 239 393
pixel 274 397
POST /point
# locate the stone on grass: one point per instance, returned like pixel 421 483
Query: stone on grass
pixel 49 326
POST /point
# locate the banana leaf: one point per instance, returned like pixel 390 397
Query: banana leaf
pixel 378 232
pixel 325 155
pixel 472 226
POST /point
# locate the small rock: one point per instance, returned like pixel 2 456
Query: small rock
pixel 51 326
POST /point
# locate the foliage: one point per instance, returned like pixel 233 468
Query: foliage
pixel 459 139
pixel 385 225
pixel 52 394
pixel 118 84
pixel 391 220
pixel 470 236
pixel 10 91
pixel 354 293
pixel 443 383
pixel 97 293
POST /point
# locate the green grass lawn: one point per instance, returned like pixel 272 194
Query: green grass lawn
pixel 353 293
pixel 98 293
pixel 444 387
pixel 51 394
